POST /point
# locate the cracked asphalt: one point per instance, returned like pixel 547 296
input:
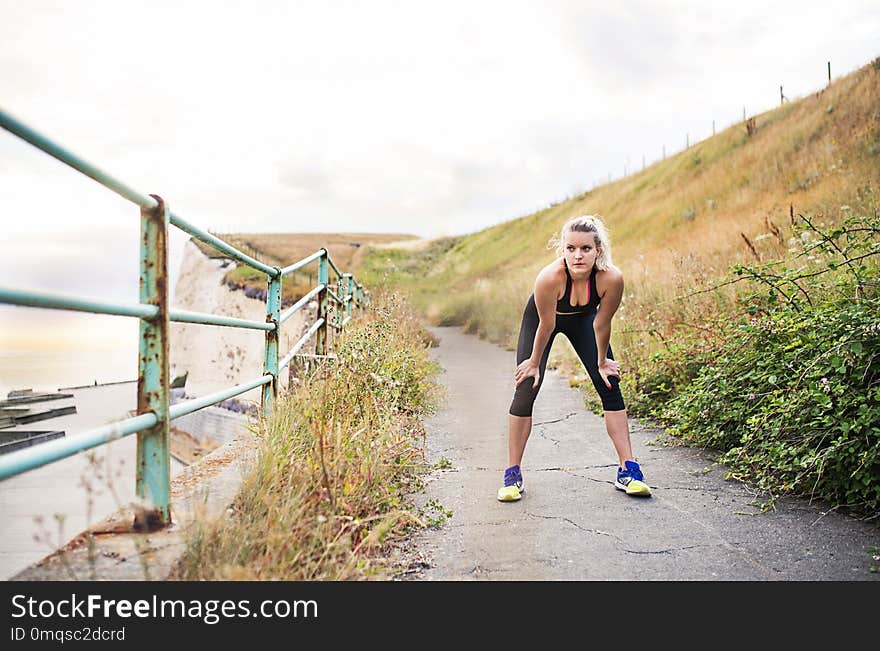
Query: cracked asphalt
pixel 573 525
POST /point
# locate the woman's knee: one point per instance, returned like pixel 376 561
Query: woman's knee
pixel 523 401
pixel 612 399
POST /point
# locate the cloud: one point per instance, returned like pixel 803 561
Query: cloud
pixel 83 262
pixel 625 45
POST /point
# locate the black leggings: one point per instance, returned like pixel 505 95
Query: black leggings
pixel 579 330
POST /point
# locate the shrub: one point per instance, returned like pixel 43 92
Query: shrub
pixel 789 391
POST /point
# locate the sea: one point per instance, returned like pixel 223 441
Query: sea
pixel 51 370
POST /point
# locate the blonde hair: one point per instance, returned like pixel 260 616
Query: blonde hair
pixel 587 224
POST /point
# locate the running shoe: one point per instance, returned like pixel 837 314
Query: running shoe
pixel 513 485
pixel 631 480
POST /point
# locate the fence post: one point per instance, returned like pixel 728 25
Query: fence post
pixel 270 362
pixel 323 299
pixel 340 292
pixel 153 475
pixel 349 289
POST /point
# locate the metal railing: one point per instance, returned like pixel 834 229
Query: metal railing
pixel 153 408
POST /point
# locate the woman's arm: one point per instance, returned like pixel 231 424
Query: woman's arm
pixel 609 303
pixel 545 301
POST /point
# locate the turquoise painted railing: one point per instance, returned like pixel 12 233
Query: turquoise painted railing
pixel 335 309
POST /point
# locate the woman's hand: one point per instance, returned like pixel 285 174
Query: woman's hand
pixel 609 368
pixel 525 370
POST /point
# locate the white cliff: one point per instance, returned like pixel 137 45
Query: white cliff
pixel 218 357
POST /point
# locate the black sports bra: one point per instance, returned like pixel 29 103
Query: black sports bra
pixel 564 306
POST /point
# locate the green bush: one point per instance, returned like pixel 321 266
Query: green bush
pixel 793 399
pixel 789 392
pixel 651 385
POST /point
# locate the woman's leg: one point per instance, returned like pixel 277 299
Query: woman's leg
pixel 520 426
pixel 618 430
pixel 518 430
pixel 583 339
pixel 520 413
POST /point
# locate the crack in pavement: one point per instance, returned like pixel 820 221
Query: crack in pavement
pixel 685 488
pixel 571 470
pixel 495 570
pixel 475 524
pixel 453 449
pixel 549 438
pixel 573 523
pixel 670 550
pixel 620 540
pixel 550 469
pixel 600 481
pixel 558 420
pixel 608 481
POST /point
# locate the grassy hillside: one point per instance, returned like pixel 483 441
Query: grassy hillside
pixel 675 226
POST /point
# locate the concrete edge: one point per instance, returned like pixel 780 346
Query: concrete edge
pixel 111 551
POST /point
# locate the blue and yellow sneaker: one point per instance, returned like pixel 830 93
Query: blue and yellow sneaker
pixel 631 480
pixel 513 485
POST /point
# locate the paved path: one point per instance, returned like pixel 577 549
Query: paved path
pixel 573 524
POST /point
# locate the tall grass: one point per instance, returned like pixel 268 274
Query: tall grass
pixel 327 497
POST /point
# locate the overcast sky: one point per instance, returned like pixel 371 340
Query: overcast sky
pixel 430 118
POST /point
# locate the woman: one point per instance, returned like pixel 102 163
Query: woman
pixel 568 294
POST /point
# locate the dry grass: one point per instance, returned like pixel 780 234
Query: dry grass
pixel 340 454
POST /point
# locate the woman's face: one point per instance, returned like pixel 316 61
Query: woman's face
pixel 580 251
